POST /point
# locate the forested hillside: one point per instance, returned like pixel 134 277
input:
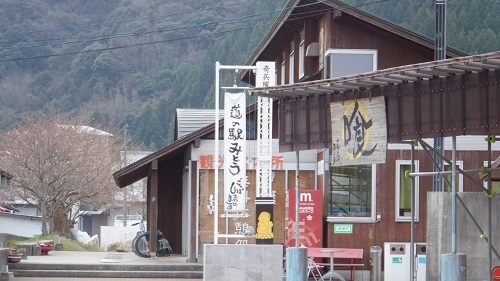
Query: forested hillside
pixel 473 26
pixel 133 62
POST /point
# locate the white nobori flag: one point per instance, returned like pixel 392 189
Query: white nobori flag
pixel 234 152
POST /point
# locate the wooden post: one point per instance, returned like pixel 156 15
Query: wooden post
pixel 153 209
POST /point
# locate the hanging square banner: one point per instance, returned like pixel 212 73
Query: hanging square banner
pixel 234 152
pixel 359 132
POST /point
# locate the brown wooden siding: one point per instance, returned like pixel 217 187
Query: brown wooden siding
pixel 350 33
pixel 279 210
pixel 170 200
pixel 388 229
pixel 456 105
pixel 311 35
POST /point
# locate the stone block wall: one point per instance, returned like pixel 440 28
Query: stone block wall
pixel 243 262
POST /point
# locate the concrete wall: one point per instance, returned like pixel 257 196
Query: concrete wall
pixel 468 237
pixel 4 258
pixel 27 226
pixel 118 234
pixel 229 262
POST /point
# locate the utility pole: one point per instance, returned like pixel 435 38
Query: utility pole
pixel 125 190
pixel 439 54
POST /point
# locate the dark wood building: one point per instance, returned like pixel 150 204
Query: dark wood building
pixel 329 52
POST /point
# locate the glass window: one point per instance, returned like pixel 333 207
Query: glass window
pixel 344 62
pixel 301 59
pixel 292 69
pixel 459 177
pixel 495 184
pixel 321 42
pixel 403 191
pixel 283 74
pixel 352 191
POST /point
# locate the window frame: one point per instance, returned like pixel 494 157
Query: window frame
pixel 397 202
pixel 302 56
pixel 460 164
pixel 283 73
pixel 373 217
pixel 291 71
pixel 328 60
pixel 485 181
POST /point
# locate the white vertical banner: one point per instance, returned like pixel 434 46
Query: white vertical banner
pixel 265 77
pixel 234 152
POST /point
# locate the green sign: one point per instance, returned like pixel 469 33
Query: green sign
pixel 397 260
pixel 342 229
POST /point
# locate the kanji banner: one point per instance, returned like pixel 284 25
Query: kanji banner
pixel 310 218
pixel 234 152
pixel 359 132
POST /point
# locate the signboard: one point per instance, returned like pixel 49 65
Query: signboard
pixel 359 132
pixel 234 152
pixel 342 228
pixel 397 260
pixel 310 218
pixel 266 74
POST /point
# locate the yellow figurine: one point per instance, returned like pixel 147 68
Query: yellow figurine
pixel 265 226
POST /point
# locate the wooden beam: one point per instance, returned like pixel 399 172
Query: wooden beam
pixel 153 209
pixel 193 215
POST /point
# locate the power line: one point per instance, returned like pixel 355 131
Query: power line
pixel 119 36
pixel 301 16
pixel 123 21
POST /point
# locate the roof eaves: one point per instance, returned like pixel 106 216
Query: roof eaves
pixel 353 11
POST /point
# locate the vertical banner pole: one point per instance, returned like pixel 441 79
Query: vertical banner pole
pixel 216 152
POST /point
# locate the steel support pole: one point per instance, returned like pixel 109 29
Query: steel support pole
pixel 454 196
pixel 412 248
pixel 297 197
pixel 490 235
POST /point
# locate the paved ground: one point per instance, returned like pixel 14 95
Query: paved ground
pixel 87 279
pixel 67 257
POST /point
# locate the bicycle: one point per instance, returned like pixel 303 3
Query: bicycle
pixel 140 243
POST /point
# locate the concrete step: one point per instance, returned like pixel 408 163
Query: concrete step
pixel 162 271
pixel 106 267
pixel 109 274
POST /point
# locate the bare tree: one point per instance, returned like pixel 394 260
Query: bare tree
pixel 58 164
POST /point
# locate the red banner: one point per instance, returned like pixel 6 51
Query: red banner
pixel 310 218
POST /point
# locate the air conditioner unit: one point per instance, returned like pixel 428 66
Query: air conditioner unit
pixel 344 62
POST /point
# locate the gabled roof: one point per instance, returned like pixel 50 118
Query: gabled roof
pixel 290 22
pixel 386 77
pixel 140 168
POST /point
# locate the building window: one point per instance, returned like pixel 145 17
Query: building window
pixel 292 68
pixel 276 76
pixel 344 62
pixel 302 54
pixel 352 191
pixel 495 184
pixel 283 73
pixel 459 177
pixel 403 191
pixel 320 43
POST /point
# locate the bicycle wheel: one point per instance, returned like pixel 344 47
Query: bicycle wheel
pixel 134 241
pixel 141 246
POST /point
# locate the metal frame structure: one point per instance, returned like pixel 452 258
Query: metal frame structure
pixel 388 82
pixel 264 147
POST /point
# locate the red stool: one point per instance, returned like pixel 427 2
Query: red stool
pixel 495 272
